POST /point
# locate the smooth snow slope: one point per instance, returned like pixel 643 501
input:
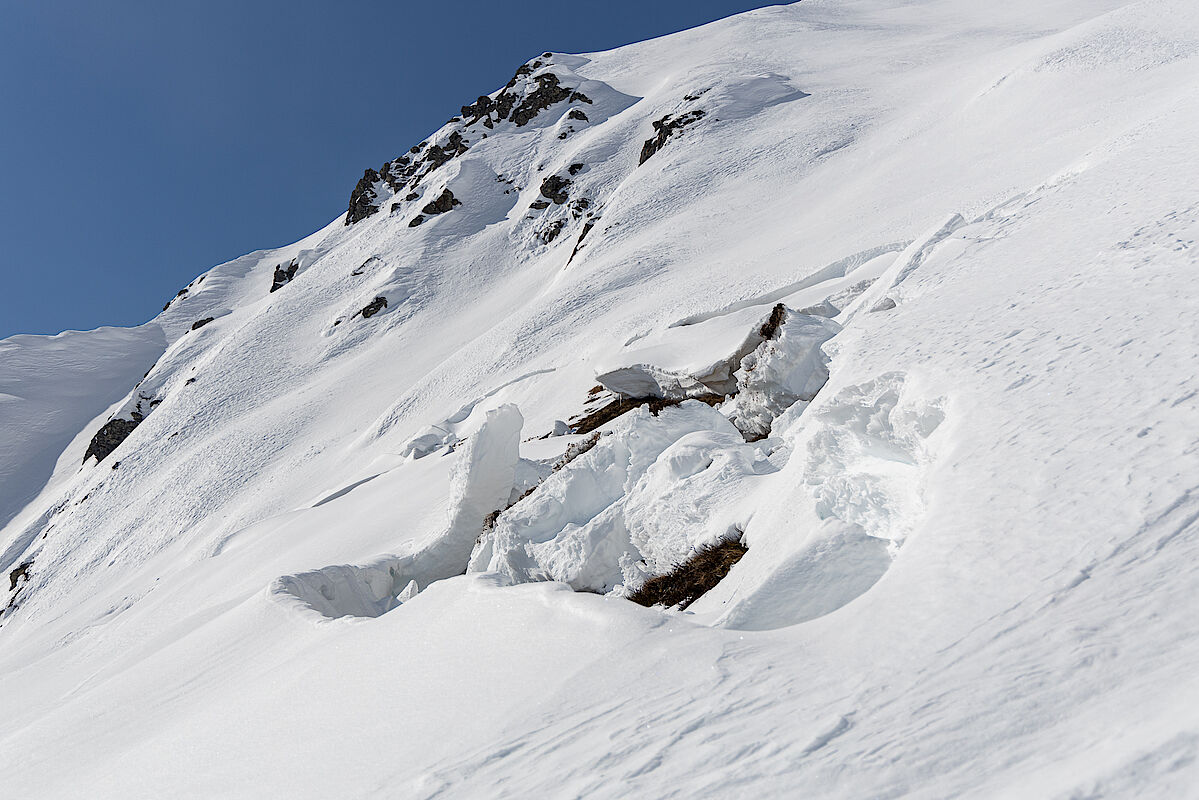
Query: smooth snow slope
pixel 973 564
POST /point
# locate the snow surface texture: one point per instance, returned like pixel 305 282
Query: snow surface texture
pixel 335 559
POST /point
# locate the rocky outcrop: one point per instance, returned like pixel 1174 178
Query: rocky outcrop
pixel 373 307
pixel 520 105
pixel 555 188
pixel 283 275
pixel 587 226
pixel 519 102
pixel 17 575
pixel 551 231
pixel 109 437
pixel 444 202
pixel 665 128
pixel 200 323
pixel 362 199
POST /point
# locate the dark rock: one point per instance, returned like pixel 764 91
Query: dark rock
pixel 577 113
pixel 370 262
pixel 479 108
pixel 362 199
pixel 540 205
pixel 551 231
pixel 395 207
pixel 417 220
pixel 575 168
pixel 522 71
pixel 200 323
pixel 444 202
pixel 21 572
pixel 580 205
pixel 189 381
pixel 411 196
pixel 548 92
pixel 770 328
pixel 579 97
pixel 283 275
pixel 587 226
pixel 109 437
pixel 554 187
pixel 374 307
pixel 665 128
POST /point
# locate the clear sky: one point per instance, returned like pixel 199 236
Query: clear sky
pixel 144 141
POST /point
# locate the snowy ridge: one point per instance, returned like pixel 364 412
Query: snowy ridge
pixel 896 295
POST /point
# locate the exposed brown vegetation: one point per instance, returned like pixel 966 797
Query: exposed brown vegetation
pixel 689 581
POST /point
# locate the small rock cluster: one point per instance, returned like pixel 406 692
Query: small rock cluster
pixel 665 128
pixel 521 108
pixel 519 104
pixel 373 307
pixel 283 275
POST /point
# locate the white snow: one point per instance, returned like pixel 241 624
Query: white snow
pixel 973 553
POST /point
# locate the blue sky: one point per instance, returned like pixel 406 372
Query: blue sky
pixel 144 142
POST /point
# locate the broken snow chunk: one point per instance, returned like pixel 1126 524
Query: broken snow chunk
pixel 560 428
pixel 577 525
pixel 410 591
pixel 484 475
pixel 688 360
pixel 788 369
pixel 886 304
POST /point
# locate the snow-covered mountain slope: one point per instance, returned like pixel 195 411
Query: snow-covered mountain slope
pixel 911 289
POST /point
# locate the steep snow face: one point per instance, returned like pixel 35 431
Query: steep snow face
pixel 336 553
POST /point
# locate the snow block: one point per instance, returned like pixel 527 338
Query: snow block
pixel 788 369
